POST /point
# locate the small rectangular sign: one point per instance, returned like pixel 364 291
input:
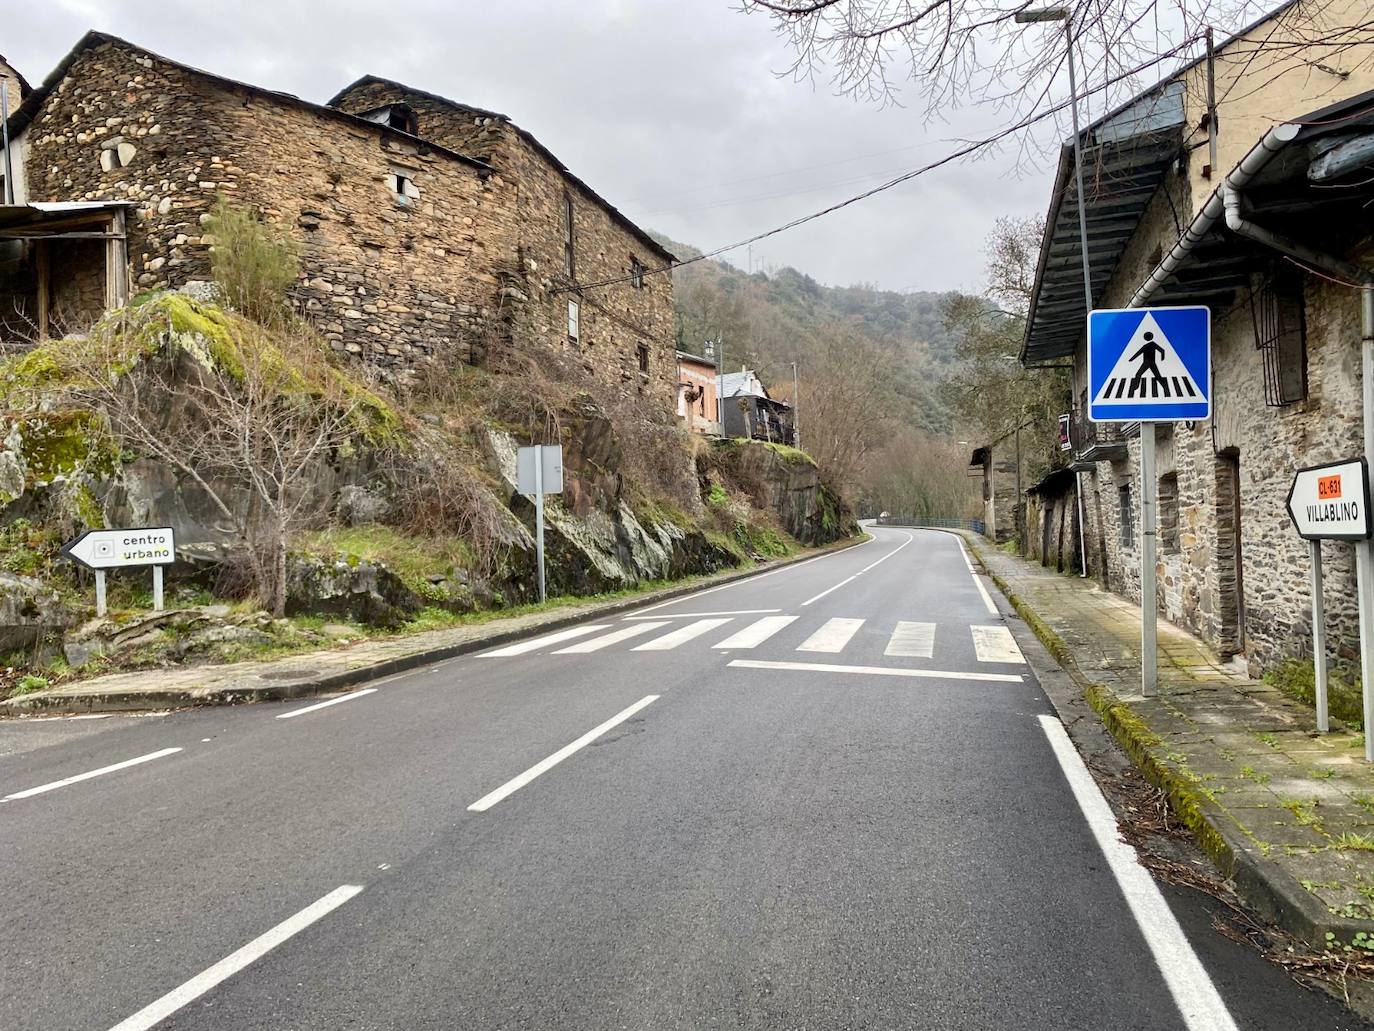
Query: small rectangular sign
pixel 1331 502
pixel 550 457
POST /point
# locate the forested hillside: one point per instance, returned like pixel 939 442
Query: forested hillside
pixel 770 319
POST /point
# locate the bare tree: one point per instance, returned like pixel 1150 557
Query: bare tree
pixel 989 389
pixel 949 53
pixel 247 424
pixel 848 396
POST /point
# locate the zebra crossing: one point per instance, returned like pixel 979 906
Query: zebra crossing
pixel 992 643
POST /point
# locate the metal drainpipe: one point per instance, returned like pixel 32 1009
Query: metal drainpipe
pixel 1364 550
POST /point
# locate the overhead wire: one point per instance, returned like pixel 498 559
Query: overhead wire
pixel 954 155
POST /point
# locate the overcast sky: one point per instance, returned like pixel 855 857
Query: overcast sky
pixel 672 109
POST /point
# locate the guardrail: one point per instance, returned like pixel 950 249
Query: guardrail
pixel 934 523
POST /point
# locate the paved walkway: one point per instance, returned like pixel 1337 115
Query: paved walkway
pixel 1293 808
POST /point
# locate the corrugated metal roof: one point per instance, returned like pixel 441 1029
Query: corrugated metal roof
pixel 15 215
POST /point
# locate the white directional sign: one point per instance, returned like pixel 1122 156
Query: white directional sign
pixel 1149 364
pixel 1331 502
pixel 113 549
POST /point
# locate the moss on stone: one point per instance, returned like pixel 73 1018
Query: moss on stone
pixel 1297 679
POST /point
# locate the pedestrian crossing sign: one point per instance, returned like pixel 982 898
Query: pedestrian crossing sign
pixel 1149 364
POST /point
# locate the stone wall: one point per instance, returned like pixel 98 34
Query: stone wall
pixel 397 282
pixel 459 259
pixel 1249 595
pixel 614 321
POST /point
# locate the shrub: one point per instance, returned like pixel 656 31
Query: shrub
pixel 253 264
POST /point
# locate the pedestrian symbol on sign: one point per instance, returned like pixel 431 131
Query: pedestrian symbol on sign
pixel 1156 364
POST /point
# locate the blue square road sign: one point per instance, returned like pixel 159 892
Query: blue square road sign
pixel 1149 364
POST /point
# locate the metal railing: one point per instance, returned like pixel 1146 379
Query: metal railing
pixel 934 523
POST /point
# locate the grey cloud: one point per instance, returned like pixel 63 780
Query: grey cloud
pixel 654 102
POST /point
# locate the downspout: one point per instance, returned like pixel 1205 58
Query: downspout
pixel 1260 154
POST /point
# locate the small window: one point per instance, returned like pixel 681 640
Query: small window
pixel 402 117
pixel 574 331
pixel 569 257
pixel 1281 335
pixel 403 186
pixel 1168 512
pixel 642 352
pixel 637 271
pixel 1127 517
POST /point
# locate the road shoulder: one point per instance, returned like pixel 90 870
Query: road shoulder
pixel 321 672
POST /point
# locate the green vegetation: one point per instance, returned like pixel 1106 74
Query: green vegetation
pixel 1355 842
pixel 413 559
pixel 1250 773
pixel 254 264
pixel 1297 679
pixel 1304 812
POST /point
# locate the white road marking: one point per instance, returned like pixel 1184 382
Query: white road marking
pixel 876 671
pixel 909 538
pixel 154 1013
pixel 698 615
pixel 539 642
pixel 977 580
pixel 614 637
pixel 324 705
pixel 995 644
pixel 516 783
pixel 681 635
pixel 756 632
pixel 755 579
pixel 833 635
pixel 912 640
pixel 1197 998
pixel 30 792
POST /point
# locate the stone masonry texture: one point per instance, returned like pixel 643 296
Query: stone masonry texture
pixel 467 256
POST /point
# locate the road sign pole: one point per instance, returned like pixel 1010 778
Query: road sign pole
pixel 157 588
pixel 1149 629
pixel 100 592
pixel 539 513
pixel 1319 637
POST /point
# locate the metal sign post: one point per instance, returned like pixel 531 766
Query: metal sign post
pixel 1319 639
pixel 539 471
pixel 1147 366
pixel 1331 503
pixel 118 549
pixel 1149 609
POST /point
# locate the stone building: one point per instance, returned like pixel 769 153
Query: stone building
pixel 697 405
pixel 1295 100
pixel 428 230
pixel 1002 464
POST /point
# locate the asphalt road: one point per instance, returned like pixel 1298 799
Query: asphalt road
pixel 817 840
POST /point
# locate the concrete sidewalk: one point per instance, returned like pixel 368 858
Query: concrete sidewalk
pixel 318 672
pixel 1284 812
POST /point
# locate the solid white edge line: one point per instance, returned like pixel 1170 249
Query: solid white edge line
pixel 909 538
pixel 761 576
pixel 156 1012
pixel 29 792
pixel 1198 1001
pixel 543 766
pixel 977 580
pixel 877 671
pixel 324 705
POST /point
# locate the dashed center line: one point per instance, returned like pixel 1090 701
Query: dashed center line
pixel 516 783
pixel 156 1012
pixel 138 760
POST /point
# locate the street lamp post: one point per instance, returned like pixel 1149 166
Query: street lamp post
pixel 1051 14
pixel 796 411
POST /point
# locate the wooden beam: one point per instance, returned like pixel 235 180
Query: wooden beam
pixel 41 263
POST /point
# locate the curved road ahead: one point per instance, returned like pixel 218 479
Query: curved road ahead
pixel 831 796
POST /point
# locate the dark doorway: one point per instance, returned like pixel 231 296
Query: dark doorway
pixel 1230 561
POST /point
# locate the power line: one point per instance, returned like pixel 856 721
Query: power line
pixel 953 156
